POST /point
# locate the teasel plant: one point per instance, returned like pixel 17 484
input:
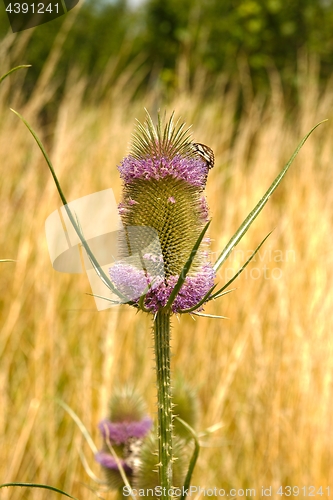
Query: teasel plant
pixel 164 178
pixel 128 453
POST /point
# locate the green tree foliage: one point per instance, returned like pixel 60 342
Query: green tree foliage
pixel 100 33
pixel 214 35
pixel 219 35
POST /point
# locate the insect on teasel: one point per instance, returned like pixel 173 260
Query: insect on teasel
pixel 205 152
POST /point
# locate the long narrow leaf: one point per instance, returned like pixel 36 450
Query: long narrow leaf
pixel 224 293
pixel 114 302
pixel 142 303
pixel 14 69
pixel 202 301
pixel 209 296
pixel 80 425
pixel 88 470
pixel 36 485
pixel 64 6
pixel 260 205
pixel 91 256
pixel 214 296
pixel 203 315
pixel 120 467
pixel 186 268
pixel 193 459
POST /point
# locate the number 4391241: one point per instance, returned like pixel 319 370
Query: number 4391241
pixel 305 491
pixel 32 8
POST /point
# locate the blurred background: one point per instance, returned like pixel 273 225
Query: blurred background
pixel 170 43
pixel 252 77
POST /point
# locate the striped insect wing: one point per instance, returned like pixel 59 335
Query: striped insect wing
pixel 205 152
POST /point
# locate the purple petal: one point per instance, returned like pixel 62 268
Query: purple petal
pixel 127 280
pixel 192 170
pixel 107 460
pixel 131 281
pixel 120 432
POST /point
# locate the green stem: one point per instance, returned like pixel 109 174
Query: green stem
pixel 162 356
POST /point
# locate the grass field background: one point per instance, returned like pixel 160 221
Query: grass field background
pixel 264 377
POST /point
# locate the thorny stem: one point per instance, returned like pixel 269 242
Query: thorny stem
pixel 162 356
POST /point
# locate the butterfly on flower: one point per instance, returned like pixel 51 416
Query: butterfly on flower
pixel 205 152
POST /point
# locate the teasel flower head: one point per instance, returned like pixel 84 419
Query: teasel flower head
pixel 164 211
pixel 123 433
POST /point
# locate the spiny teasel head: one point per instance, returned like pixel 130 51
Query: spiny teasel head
pixel 124 430
pixel 164 178
pixel 163 140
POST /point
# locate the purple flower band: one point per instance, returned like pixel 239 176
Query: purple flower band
pixel 120 432
pixel 133 283
pixel 107 460
pixel 192 170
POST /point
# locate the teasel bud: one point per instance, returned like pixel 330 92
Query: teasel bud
pixel 146 474
pixel 185 406
pixel 124 430
pixel 164 177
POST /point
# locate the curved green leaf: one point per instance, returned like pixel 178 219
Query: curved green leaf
pixel 80 424
pixel 202 301
pixel 194 458
pixel 260 205
pixel 186 268
pixel 36 485
pixel 216 294
pixel 74 223
pixel 12 71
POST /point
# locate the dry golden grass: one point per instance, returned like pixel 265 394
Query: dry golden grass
pixel 265 375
